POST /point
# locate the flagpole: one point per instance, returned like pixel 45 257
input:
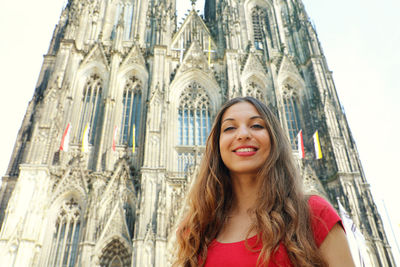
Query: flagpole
pixel 209 50
pixel 390 225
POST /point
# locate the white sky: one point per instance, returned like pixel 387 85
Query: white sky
pixel 360 39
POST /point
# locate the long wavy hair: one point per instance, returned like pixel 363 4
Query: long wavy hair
pixel 281 210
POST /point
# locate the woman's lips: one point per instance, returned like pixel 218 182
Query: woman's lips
pixel 245 151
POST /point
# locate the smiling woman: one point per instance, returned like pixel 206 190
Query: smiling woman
pixel 244 140
pixel 247 207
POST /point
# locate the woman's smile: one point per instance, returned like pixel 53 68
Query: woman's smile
pixel 245 151
pixel 244 140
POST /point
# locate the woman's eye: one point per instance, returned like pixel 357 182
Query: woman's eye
pixel 258 126
pixel 229 128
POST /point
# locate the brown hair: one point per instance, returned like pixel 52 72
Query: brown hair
pixel 281 209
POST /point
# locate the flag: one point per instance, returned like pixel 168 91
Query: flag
pixel 65 138
pixel 317 146
pixel 300 144
pixel 85 139
pixel 114 137
pixel 133 138
pixel 358 247
pixel 209 50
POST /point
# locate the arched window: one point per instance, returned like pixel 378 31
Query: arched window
pixel 257 29
pixel 64 246
pixel 91 103
pixel 194 116
pixel 194 126
pixel 291 114
pixel 130 123
pixel 253 90
pixel 261 27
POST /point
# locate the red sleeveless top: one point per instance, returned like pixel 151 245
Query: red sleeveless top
pixel 323 218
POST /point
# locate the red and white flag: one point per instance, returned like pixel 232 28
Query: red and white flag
pixel 65 138
pixel 114 137
pixel 300 144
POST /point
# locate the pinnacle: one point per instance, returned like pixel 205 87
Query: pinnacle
pixel 193 4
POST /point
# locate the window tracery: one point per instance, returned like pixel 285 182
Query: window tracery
pixel 253 90
pixel 91 104
pixel 290 105
pixel 64 248
pixel 194 126
pixel 132 99
pixel 194 116
pixel 261 27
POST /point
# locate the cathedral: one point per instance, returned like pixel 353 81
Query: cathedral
pixel 117 126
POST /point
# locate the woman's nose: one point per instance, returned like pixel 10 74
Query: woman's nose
pixel 243 133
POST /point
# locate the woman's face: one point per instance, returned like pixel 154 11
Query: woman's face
pixel 244 141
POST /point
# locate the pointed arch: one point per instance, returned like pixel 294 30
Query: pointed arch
pixel 254 85
pixel 64 240
pixel 195 97
pixel 261 23
pixel 90 106
pixel 291 110
pixel 88 88
pixel 131 114
pixel 254 90
pixel 193 116
pixel 291 90
pixel 115 252
pixel 208 83
pixel 130 98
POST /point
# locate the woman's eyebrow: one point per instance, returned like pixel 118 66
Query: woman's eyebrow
pixel 227 119
pixel 251 118
pixel 256 117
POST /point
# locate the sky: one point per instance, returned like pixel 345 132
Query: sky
pixel 360 39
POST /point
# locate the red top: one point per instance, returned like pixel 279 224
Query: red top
pixel 323 218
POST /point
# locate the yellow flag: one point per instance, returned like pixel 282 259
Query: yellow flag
pixel 85 139
pixel 317 146
pixel 133 138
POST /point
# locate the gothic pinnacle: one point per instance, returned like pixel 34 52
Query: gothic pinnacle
pixel 193 4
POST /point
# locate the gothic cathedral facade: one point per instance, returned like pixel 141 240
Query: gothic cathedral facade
pixel 118 122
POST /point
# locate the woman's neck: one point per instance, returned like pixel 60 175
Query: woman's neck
pixel 245 190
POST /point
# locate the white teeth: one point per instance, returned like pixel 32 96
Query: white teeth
pixel 248 149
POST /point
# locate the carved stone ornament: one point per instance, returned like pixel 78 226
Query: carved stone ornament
pixel 194 59
pixel 96 54
pixel 134 57
pixel 252 65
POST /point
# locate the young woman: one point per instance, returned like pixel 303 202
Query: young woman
pixel 247 207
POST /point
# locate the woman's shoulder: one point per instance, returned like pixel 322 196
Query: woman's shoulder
pixel 317 203
pixel 323 217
